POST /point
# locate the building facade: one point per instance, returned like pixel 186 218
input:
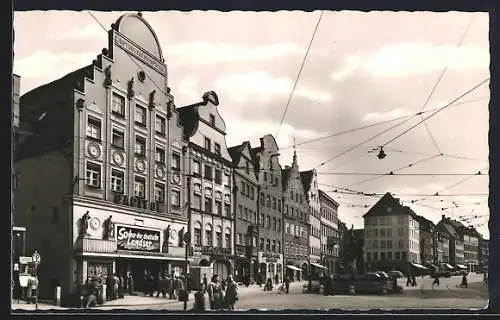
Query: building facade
pixel 245 199
pixel 295 213
pixel 471 248
pixel 210 185
pixel 330 238
pixel 391 236
pixel 310 185
pixel 455 240
pixel 483 253
pixel 270 260
pixel 428 245
pixel 101 181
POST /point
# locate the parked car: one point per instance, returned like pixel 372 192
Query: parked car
pixel 396 274
pixel 383 275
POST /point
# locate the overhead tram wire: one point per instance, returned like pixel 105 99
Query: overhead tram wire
pixel 365 141
pixel 437 111
pixel 398 169
pixel 375 124
pixel 299 73
pixel 397 174
pixel 437 83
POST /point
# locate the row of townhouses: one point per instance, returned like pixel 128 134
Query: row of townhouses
pixel 116 178
pixel 395 237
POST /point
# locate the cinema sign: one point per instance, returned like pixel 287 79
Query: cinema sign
pixel 134 239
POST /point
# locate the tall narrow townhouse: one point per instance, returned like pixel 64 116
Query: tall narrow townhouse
pixel 209 185
pixel 270 260
pixel 100 182
pixel 245 174
pixel 330 238
pixel 296 236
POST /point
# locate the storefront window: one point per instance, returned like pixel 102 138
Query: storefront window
pixel 98 270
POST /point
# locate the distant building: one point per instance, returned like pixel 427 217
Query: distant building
pixel 483 253
pixel 210 186
pixel 295 213
pixel 359 239
pixel 391 236
pixel 456 242
pixel 246 193
pixel 330 238
pixel 310 184
pixel 271 244
pixel 428 242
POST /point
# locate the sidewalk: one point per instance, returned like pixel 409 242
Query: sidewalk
pixel 24 306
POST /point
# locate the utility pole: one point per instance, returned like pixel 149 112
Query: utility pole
pixel 187 235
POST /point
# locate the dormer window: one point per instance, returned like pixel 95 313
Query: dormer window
pixel 217 149
pixel 212 120
pixel 208 144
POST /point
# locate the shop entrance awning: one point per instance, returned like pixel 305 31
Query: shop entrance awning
pixel 461 266
pixel 294 268
pixel 318 265
pixel 447 265
pixel 418 265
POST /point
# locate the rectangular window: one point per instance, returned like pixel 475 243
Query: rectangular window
pixel 389 244
pixel 227 210
pixel 375 256
pixel 93 175
pixel 404 255
pixel 118 138
pixel 196 168
pixel 208 204
pixel 400 232
pixel 208 144
pixel 227 240
pixel 140 115
pixel 279 225
pixel 382 232
pixel 218 238
pixel 261 243
pixel 176 161
pixel 197 236
pixel 382 256
pixel 278 247
pixel 208 238
pixel 239 238
pixel 139 187
pixel 94 128
pixel 389 232
pixel 218 176
pixel 274 224
pixel 268 245
pixel 226 179
pixel 140 146
pixel 273 246
pixel 401 243
pixel 382 244
pixel 368 256
pixel 160 155
pixel 217 149
pixel 255 217
pixel 246 214
pixel 197 201
pixel 261 219
pixel 212 120
pixel 176 198
pixel 218 207
pixel 397 255
pixel 160 125
pixel 208 172
pixel 118 105
pixel 159 192
pixel 274 203
pixel 240 211
pixel 117 181
pixel 268 220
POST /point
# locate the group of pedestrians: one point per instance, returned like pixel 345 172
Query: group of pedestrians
pixel 222 295
pixel 171 286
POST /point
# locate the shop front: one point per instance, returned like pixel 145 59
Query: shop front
pixel 109 243
pixel 220 259
pixel 271 264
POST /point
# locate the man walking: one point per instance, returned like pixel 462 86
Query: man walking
pixel 287 284
pixel 231 292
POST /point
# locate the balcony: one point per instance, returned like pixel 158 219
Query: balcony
pixel 95 245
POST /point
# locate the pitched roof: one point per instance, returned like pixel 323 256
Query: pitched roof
pixel 424 224
pixel 307 177
pixel 189 120
pixel 380 208
pixel 235 152
pixel 323 194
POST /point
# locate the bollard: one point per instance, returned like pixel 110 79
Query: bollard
pixel 103 293
pixel 57 301
pixel 81 301
pixel 352 290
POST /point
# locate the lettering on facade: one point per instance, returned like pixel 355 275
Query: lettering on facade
pixel 140 53
pixel 269 257
pixel 138 239
pixel 215 250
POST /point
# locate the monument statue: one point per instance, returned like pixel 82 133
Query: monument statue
pixel 181 237
pixel 166 240
pixel 109 228
pixel 84 224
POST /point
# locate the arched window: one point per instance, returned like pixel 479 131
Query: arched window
pixel 227 238
pixel 209 241
pixel 197 233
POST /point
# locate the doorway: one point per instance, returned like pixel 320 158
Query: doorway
pixel 137 268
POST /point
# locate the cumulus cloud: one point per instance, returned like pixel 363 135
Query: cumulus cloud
pixel 45 65
pixel 187 90
pixel 260 85
pixel 404 59
pixel 382 116
pixel 201 52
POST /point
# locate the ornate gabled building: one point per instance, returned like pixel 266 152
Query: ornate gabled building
pixel 246 187
pixel 455 242
pixel 209 185
pixel 270 210
pixel 428 243
pixel 101 181
pixel 296 232
pixel 310 184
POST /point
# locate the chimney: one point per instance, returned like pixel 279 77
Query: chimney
pixel 442 217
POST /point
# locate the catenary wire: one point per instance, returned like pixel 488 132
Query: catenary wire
pixel 299 73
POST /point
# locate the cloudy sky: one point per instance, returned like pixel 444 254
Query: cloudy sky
pixel 362 68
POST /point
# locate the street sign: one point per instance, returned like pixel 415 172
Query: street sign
pixel 36 257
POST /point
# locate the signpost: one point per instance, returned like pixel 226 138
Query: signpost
pixel 36 260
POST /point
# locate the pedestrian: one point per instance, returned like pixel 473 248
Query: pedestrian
pixel 414 281
pixel 287 284
pixel 121 288
pixel 116 286
pixel 162 287
pixel 110 282
pixel 175 287
pixel 231 293
pixel 130 283
pixel 464 281
pixel 32 289
pixel 215 293
pixel 435 282
pixel 170 286
pixel 276 279
pixel 205 282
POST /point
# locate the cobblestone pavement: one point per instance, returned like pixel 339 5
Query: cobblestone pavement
pixel 447 295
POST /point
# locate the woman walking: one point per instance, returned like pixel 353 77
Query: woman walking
pixel 215 294
pixel 231 292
